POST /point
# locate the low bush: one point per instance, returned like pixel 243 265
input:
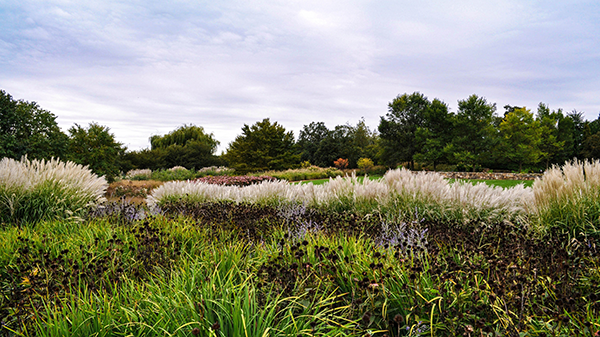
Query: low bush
pixel 181 173
pixel 306 173
pixel 36 190
pixel 234 180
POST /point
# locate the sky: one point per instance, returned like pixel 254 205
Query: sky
pixel 145 68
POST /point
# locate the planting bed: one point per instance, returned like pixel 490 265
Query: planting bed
pixel 226 268
pixel 406 255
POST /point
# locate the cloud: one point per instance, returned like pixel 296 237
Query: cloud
pixel 146 68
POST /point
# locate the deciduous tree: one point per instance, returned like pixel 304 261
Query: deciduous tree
pixel 520 138
pixel 27 129
pixel 398 128
pixel 96 147
pixel 262 146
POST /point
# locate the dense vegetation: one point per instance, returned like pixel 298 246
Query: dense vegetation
pixel 421 257
pixel 415 132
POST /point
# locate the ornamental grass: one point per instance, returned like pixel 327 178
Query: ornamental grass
pixel 36 190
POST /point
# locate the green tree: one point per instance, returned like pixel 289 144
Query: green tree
pixel 474 134
pixel 364 141
pixel 520 138
pixel 590 149
pixel 398 128
pixel 262 146
pixel 309 141
pixel 96 147
pixel 188 146
pixel 27 129
pixel 435 134
pixel 549 145
pixel 566 135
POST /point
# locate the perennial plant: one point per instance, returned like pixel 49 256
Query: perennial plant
pixel 36 190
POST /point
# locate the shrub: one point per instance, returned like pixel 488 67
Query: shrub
pixel 32 191
pixel 234 181
pixel 341 163
pixel 365 164
pixel 307 173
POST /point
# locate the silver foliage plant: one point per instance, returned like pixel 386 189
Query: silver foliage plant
pixel 408 238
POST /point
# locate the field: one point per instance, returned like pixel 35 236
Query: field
pixel 404 255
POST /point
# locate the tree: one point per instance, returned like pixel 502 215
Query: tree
pixel 27 129
pixel 474 134
pixel 96 147
pixel 262 146
pixel 435 134
pixel 309 141
pixel 520 138
pixel 188 146
pixel 549 145
pixel 397 130
pixel 590 148
pixel 322 146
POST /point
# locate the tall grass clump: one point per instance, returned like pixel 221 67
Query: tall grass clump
pixel 567 198
pixel 37 190
pixel 139 174
pixel 396 196
pixel 437 199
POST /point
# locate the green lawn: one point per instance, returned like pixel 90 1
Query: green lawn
pixel 501 183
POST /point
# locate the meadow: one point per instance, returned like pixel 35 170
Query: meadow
pixel 408 254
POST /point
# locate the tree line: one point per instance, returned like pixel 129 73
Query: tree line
pixel 414 131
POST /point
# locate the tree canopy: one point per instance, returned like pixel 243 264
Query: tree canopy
pixel 27 129
pixel 188 146
pixel 96 147
pixel 262 146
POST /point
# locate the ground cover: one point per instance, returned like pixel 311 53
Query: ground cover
pixel 406 255
pixel 229 269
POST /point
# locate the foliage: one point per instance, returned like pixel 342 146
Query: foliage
pixel 234 180
pixel 365 164
pixel 341 163
pixel 96 148
pixel 188 146
pixel 311 172
pixel 262 146
pixel 322 146
pixel 590 149
pixel 549 145
pixel 27 129
pixel 406 114
pixel 567 199
pixel 473 131
pixel 434 135
pixel 520 138
pixel 243 269
pixel 37 190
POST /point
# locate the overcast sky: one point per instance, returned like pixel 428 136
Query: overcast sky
pixel 144 68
